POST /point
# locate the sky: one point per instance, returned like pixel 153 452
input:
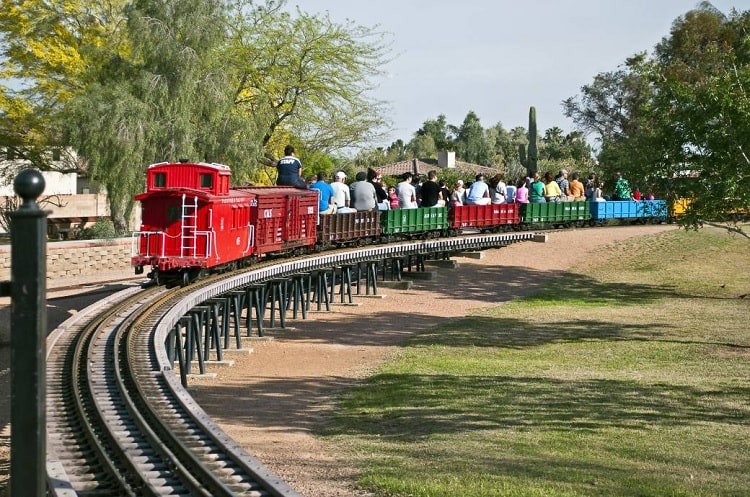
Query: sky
pixel 500 57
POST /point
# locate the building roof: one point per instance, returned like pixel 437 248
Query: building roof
pixel 423 166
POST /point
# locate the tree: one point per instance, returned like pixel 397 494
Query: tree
pixel 182 78
pixel 685 109
pixel 565 151
pixel 471 142
pixel 397 151
pixel 48 51
pixel 306 76
pixel 503 148
pixel 553 145
pixel 370 157
pixel 438 130
pixel 614 109
pixel 166 101
pixel 702 76
pixel 422 146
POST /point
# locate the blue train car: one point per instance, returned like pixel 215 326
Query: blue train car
pixel 643 211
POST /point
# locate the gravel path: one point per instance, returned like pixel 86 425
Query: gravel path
pixel 275 399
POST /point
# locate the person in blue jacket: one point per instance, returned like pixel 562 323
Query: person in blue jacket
pixel 289 168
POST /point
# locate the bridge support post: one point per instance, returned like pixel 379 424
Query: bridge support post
pixel 255 299
pixel 345 289
pixel 371 278
pixel 320 278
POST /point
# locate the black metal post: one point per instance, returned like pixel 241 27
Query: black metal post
pixel 28 324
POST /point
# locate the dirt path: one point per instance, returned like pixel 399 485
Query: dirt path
pixel 274 400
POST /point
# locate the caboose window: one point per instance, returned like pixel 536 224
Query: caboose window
pixel 207 180
pixel 173 213
pixel 160 180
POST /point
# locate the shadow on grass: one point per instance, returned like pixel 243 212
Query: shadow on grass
pixel 479 331
pixel 296 402
pixel 492 286
pixel 488 282
pixel 411 407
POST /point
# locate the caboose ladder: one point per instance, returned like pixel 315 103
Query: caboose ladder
pixel 189 225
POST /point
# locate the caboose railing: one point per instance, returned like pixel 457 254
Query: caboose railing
pixel 155 244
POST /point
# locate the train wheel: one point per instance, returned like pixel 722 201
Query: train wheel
pixel 158 280
pixel 185 279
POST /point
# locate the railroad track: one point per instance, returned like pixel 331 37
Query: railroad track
pixel 120 421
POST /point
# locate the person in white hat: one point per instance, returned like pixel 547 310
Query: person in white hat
pixel 459 194
pixel 341 194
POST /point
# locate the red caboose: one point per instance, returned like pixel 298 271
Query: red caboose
pixel 192 221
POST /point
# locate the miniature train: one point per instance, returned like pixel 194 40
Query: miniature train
pixel 194 222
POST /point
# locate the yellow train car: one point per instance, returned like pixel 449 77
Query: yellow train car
pixel 678 205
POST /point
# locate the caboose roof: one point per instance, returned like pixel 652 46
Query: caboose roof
pixel 203 195
pixel 208 165
pixel 210 177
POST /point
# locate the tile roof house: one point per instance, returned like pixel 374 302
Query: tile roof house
pixel 445 160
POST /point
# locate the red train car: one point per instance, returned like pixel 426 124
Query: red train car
pixel 284 218
pixel 192 221
pixel 484 217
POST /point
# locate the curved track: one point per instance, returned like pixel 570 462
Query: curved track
pixel 119 420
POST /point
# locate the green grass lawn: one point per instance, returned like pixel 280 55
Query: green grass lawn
pixel 627 378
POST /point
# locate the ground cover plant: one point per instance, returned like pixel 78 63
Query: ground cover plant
pixel 626 376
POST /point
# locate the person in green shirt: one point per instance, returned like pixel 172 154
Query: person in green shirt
pixel 536 191
pixel 622 188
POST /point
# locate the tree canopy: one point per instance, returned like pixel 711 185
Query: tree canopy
pixel 305 77
pixel 492 147
pixel 48 50
pixel 131 83
pixel 683 111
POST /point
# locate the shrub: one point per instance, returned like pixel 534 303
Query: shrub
pixel 102 229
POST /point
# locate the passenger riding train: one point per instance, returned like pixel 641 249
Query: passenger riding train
pixel 193 222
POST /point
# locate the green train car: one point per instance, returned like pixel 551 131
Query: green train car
pixel 556 214
pixel 408 222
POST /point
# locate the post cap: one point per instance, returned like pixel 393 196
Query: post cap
pixel 29 184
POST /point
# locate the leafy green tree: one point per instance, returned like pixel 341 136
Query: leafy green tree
pixel 553 145
pixel 166 101
pixel 471 142
pixel 505 151
pixel 683 111
pixel 438 130
pixel 48 50
pixel 560 151
pixel 397 151
pixel 370 157
pixel 422 146
pixel 305 76
pixel 702 77
pixel 578 149
pixel 614 109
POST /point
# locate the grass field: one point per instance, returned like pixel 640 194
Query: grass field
pixel 628 377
